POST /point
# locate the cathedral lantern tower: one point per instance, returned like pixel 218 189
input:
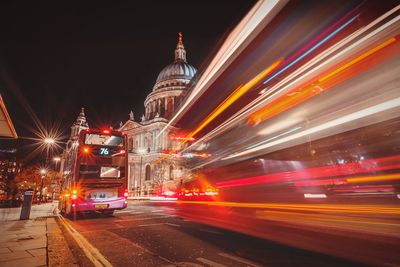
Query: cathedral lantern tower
pixel 170 86
pixel 79 125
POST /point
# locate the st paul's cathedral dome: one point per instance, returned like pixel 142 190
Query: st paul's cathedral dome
pixel 170 86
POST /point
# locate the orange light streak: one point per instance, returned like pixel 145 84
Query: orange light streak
pixel 325 83
pixel 334 208
pixel 240 91
pixel 377 178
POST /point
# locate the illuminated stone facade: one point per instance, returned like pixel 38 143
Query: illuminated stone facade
pixel 147 142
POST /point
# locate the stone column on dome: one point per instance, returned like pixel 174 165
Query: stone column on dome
pixel 169 106
pixel 166 107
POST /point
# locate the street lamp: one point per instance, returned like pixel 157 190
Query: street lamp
pixel 49 141
pixel 56 160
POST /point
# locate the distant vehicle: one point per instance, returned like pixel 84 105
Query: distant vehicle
pixel 95 173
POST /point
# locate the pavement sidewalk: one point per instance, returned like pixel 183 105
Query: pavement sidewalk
pixel 38 241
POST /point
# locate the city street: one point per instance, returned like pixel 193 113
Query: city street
pixel 200 133
pixel 149 234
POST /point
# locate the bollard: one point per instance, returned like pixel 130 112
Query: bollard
pixel 26 205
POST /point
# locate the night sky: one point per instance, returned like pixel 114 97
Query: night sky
pixel 103 55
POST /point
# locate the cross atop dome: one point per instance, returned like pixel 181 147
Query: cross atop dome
pixel 180 52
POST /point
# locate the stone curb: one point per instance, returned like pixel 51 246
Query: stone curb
pixel 58 251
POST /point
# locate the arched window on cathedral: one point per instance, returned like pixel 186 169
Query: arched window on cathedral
pixel 147 173
pixel 171 172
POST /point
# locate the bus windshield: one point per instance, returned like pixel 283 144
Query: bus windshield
pixel 103 140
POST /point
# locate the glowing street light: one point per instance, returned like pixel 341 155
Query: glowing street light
pixel 56 159
pixel 43 171
pixel 49 141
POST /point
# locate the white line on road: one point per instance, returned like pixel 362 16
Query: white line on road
pixel 137 212
pixel 238 259
pixel 157 210
pixel 150 224
pixel 210 263
pixel 122 211
pixel 173 224
pixel 210 231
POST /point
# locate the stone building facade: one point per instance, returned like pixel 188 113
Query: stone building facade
pixel 152 170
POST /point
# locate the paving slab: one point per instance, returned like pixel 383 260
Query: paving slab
pixel 36 242
pixel 39 261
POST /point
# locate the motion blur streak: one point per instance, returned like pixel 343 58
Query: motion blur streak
pixel 342 47
pixel 311 49
pixel 372 209
pixel 235 96
pixel 345 119
pixel 310 159
pixel 305 93
pixel 365 179
pixel 373 165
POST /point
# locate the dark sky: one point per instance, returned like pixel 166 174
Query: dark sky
pixel 103 55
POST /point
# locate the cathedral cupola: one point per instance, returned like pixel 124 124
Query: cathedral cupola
pixel 170 86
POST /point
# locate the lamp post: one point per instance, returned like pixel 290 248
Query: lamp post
pixel 56 160
pixel 43 175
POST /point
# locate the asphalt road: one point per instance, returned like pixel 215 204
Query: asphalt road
pixel 149 234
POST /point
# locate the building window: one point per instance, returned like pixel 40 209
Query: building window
pixel 147 173
pixel 171 172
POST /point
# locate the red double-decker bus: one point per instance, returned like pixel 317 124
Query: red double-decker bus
pixel 95 173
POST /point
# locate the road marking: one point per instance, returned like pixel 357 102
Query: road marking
pixel 157 210
pixel 210 263
pixel 151 218
pixel 122 211
pixel 210 231
pixel 173 224
pixel 137 212
pixel 92 253
pixel 238 259
pixel 150 224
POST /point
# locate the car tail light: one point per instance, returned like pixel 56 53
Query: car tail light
pixel 85 150
pixel 74 194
